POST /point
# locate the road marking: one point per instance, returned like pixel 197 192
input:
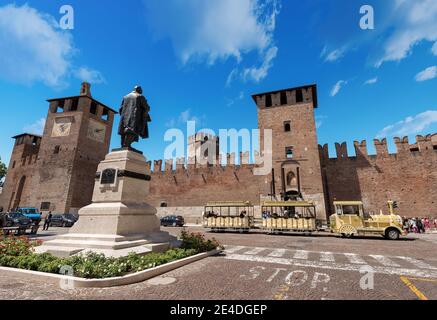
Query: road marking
pixel 334 266
pixel 354 258
pixel 301 255
pixel 413 288
pixel 418 263
pixel 384 261
pixel 234 249
pixel 426 280
pixel 254 251
pixel 277 253
pixel 327 257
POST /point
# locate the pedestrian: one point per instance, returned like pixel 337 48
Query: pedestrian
pixel 413 226
pixel 419 225
pixel 427 224
pixel 47 221
pixel 406 224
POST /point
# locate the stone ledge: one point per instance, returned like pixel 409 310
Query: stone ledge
pixel 76 282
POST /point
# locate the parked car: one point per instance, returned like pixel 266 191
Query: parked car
pixel 15 220
pixel 32 213
pixel 62 220
pixel 174 221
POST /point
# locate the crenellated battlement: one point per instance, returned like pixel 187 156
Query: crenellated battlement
pixel 187 165
pixel 424 144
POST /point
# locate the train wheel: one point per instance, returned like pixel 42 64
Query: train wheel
pixel 392 234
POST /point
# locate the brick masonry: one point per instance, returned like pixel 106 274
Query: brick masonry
pixel 56 171
pixel 66 178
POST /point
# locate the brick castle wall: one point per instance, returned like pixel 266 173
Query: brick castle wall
pixel 408 176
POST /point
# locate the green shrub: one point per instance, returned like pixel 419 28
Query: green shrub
pixel 198 242
pixel 17 252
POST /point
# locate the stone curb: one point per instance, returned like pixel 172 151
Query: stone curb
pixel 67 282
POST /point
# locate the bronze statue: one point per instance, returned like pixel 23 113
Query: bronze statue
pixel 134 113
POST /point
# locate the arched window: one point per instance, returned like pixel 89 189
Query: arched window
pixel 291 178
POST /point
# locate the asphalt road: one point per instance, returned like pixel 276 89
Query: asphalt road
pixel 277 267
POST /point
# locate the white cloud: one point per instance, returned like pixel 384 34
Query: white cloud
pixel 258 73
pixel 208 31
pixel 35 49
pixel 411 125
pixel 427 74
pixel 240 97
pixel 334 55
pixel 32 47
pixel 371 81
pixel 337 87
pixel 434 49
pixel 89 75
pixel 416 23
pixel 320 120
pixel 36 127
pixel 184 117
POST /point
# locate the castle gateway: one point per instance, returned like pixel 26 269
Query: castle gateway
pixel 56 171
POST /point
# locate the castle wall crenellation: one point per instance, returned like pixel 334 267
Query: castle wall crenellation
pixel 182 165
pixel 424 144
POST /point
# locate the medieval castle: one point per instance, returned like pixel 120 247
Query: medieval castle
pixel 56 172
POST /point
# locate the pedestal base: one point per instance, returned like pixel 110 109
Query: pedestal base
pixel 119 221
pixel 111 246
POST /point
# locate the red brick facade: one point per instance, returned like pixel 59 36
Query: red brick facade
pixel 56 171
pixel 59 168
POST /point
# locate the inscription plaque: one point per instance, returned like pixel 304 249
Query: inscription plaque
pixel 108 176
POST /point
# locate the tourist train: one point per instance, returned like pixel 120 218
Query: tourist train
pixel 286 217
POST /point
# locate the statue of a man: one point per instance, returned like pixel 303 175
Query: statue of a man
pixel 134 113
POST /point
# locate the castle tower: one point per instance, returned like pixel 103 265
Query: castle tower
pixel 289 113
pixel 203 150
pixel 21 171
pixel 76 138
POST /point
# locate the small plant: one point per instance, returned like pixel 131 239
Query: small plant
pixel 16 246
pixel 198 242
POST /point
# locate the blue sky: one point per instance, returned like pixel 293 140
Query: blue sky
pixel 201 60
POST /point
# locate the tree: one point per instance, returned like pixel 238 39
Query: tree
pixel 3 171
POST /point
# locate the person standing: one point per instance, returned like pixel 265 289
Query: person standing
pixel 419 225
pixel 47 221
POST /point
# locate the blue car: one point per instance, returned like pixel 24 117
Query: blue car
pixel 33 214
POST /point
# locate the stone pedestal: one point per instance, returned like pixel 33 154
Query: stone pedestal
pixel 119 221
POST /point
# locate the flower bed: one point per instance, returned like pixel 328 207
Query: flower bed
pixel 17 252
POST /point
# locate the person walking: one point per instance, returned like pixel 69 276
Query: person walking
pixel 419 225
pixel 47 221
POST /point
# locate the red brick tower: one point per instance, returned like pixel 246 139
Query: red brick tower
pixel 289 113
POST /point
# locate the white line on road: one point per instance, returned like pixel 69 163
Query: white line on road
pixel 385 261
pixel 327 257
pixel 354 258
pixel 418 263
pixel 301 255
pixel 277 253
pixel 254 251
pixel 233 249
pixel 334 266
